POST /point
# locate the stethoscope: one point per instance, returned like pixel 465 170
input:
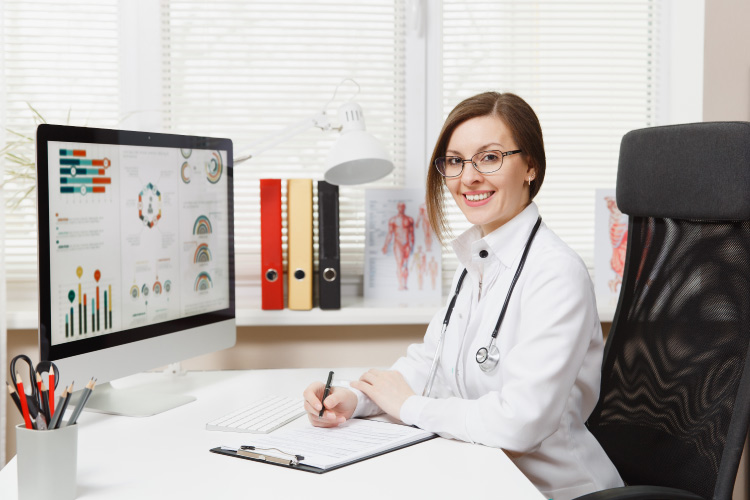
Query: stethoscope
pixel 487 357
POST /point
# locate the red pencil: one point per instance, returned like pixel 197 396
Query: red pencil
pixel 24 403
pixel 51 384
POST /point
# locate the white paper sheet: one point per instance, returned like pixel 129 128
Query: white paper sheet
pixel 326 448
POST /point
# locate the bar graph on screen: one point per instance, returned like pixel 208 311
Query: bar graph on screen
pixel 82 175
pixel 90 305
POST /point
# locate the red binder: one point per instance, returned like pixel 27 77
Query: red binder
pixel 271 257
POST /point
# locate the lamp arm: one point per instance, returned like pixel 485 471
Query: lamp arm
pixel 319 120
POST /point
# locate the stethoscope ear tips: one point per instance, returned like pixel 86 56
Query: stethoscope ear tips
pixel 488 358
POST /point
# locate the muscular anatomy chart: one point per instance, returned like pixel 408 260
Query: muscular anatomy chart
pixel 397 253
pixel 610 245
pixel 401 233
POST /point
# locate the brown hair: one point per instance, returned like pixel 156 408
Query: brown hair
pixel 517 116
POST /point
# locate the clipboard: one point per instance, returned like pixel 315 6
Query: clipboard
pixel 284 460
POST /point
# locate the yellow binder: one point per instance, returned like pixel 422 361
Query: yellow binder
pixel 300 238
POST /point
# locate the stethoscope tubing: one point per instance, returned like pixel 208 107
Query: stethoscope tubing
pixel 515 278
pixel 491 345
pixel 439 349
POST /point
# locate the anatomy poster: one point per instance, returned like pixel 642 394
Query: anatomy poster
pixel 402 254
pixel 610 240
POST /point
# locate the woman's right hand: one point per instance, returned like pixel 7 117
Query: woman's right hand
pixel 339 405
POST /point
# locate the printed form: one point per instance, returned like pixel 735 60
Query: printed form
pixel 349 442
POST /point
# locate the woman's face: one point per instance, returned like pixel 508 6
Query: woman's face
pixel 488 200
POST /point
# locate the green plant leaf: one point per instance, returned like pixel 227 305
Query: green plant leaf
pixel 38 115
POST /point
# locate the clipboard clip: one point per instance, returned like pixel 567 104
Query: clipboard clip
pixel 275 455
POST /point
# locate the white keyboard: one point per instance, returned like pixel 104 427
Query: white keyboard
pixel 263 416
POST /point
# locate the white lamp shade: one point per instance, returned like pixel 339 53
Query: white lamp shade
pixel 357 157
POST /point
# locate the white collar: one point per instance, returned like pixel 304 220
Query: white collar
pixel 505 242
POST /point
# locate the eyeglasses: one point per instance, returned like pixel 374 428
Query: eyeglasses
pixel 485 162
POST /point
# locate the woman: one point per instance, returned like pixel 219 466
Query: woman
pixel 533 403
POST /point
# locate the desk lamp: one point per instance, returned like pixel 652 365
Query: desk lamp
pixel 357 157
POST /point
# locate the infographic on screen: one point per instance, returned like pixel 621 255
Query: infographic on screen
pixel 139 236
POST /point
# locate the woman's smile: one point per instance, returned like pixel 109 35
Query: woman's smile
pixel 478 198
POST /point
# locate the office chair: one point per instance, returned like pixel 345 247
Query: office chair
pixel 675 394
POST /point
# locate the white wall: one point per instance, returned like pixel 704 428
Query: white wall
pixel 726 96
pixel 726 75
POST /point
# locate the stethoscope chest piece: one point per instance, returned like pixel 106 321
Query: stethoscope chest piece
pixel 488 357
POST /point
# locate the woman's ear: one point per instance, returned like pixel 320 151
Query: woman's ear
pixel 531 171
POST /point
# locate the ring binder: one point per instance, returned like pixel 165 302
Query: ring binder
pixel 300 241
pixel 329 283
pixel 272 287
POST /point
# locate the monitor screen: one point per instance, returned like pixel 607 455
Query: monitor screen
pixel 135 239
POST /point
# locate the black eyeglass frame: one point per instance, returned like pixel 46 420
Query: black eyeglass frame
pixel 502 155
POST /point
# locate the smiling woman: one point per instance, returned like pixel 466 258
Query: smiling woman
pixel 503 139
pixel 529 387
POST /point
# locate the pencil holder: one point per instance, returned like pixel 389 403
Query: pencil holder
pixel 47 463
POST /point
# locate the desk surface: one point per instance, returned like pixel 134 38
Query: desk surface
pixel 166 456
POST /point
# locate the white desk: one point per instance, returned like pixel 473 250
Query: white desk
pixel 166 456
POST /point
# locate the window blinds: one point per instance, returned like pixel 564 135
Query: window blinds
pixel 236 69
pixel 62 59
pixel 588 70
pixel 245 70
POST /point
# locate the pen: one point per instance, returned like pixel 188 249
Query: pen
pixel 24 403
pixel 325 393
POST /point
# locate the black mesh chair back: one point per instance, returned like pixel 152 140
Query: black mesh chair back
pixel 674 403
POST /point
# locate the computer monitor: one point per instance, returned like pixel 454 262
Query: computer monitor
pixel 136 256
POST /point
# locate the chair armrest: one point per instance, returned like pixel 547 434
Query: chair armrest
pixel 641 493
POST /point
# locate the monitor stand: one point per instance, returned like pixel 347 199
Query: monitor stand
pixel 142 400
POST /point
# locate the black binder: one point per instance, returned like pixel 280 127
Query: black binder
pixel 329 265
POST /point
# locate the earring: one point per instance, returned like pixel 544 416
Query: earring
pixel 530 179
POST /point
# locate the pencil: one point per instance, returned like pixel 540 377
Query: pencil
pixel 64 406
pixel 82 401
pixel 14 397
pixel 38 398
pixel 24 403
pixel 38 384
pixel 58 412
pixel 44 399
pixel 51 379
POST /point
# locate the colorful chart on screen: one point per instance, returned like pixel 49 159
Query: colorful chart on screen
pixel 140 236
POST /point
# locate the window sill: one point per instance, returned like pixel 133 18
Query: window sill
pixel 354 311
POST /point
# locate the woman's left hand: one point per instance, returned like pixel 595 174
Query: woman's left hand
pixel 387 388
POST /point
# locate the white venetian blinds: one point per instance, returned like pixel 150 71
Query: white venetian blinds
pixel 589 71
pixel 245 70
pixel 62 59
